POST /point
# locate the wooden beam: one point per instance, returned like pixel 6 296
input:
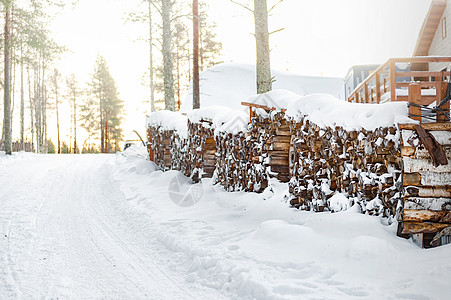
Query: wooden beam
pixel 416 215
pixel 423 84
pixel 392 67
pixel 441 94
pixel 414 98
pixel 421 74
pixel 427 126
pixel 418 227
pixel 443 191
pixel 378 87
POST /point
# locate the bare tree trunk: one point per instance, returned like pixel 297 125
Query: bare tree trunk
pixel 75 124
pixel 102 120
pixel 57 112
pixel 151 75
pixel 264 82
pixel 22 102
pixel 196 93
pixel 167 56
pixel 179 103
pixel 30 98
pixel 7 82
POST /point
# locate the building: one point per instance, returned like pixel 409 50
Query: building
pixel 433 39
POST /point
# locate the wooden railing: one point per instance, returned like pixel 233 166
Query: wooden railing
pixel 383 84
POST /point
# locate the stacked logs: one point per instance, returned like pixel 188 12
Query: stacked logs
pixel 201 149
pixel 365 165
pixel 427 201
pixel 159 142
pixel 178 145
pixel 271 135
pixel 237 168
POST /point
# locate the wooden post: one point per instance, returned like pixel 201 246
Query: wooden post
pixel 392 81
pixel 357 98
pixel 251 114
pixel 415 97
pixel 440 94
pixel 378 87
pixel 366 100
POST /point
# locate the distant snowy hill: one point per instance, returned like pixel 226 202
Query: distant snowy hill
pixel 230 83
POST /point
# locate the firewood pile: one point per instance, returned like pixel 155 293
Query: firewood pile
pixel 363 164
pixel 239 167
pixel 271 136
pixel 199 161
pixel 426 154
pixel 159 141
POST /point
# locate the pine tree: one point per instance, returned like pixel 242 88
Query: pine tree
pixel 103 108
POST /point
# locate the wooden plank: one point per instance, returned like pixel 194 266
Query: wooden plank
pixel 428 126
pixel 422 153
pixel 422 74
pixel 436 151
pixel 392 80
pixel 426 179
pixel 423 59
pixel 414 215
pixel 428 191
pixel 414 98
pixel 417 227
pixel 257 106
pixel 423 84
pixel 435 204
pixel 425 100
pixel 441 93
pixel 419 165
pixel 378 86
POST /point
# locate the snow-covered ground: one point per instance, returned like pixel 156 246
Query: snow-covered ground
pixel 112 226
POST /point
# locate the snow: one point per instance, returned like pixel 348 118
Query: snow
pixel 327 111
pixel 229 84
pixel 169 120
pixel 277 99
pixel 105 226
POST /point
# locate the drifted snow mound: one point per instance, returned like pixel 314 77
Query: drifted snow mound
pixel 230 83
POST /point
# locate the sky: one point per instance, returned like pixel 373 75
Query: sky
pixel 321 37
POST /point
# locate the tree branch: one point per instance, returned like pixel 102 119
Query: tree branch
pixel 242 5
pixel 274 6
pixel 156 7
pixel 275 31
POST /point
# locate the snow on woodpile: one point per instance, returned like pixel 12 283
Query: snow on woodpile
pixel 167 136
pixel 327 111
pixel 229 84
pixel 276 99
pixel 238 167
pixel 347 148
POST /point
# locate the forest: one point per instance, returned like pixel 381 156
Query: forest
pixel 38 96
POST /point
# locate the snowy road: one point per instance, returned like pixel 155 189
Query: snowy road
pixel 104 226
pixel 63 235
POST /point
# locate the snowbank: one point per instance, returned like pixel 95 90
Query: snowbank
pixel 248 248
pixel 328 111
pixel 230 83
